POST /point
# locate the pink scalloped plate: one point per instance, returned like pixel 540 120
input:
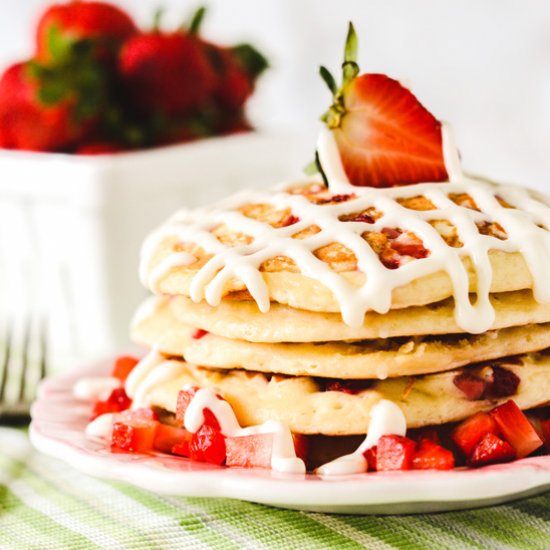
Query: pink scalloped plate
pixel 57 429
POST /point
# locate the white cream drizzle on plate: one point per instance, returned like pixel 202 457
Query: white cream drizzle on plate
pixel 525 226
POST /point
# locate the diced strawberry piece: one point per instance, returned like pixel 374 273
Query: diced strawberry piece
pixel 391 232
pixel 394 452
pixel 516 428
pixel 491 450
pixel 370 455
pixel 505 382
pixel 198 333
pixel 118 401
pixel 470 432
pixel 211 420
pixel 184 398
pixel 431 434
pixel 249 451
pixel 133 434
pixel 208 445
pixel 123 367
pixel 431 456
pixel 183 448
pixel 545 429
pixel 290 220
pixel 409 246
pixel 167 437
pixel 473 387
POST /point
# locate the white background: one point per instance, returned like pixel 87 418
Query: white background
pixel 483 65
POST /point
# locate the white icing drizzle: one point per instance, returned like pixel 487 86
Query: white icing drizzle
pixel 157 376
pixel 243 262
pixel 97 388
pixel 283 456
pixel 101 427
pixel 386 418
pixel 140 372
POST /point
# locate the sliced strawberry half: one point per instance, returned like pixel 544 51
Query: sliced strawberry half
pixel 385 136
pixel 516 428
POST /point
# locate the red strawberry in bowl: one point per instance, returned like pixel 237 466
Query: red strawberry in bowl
pixel 166 73
pixel 33 116
pixel 62 25
pixel 385 136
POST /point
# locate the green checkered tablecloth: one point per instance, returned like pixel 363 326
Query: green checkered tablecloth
pixel 45 504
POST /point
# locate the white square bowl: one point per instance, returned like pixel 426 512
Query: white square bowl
pixel 71 228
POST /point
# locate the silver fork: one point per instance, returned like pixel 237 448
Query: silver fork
pixel 23 366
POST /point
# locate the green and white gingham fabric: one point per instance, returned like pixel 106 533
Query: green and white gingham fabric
pixel 45 504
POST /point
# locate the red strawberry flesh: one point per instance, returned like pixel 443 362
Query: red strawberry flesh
pixel 118 401
pixel 133 435
pixel 473 387
pixel 123 366
pixel 249 451
pixel 431 456
pixel 516 428
pixel 491 450
pixel 166 437
pixel 394 452
pixel 208 445
pixel 387 137
pixel 471 431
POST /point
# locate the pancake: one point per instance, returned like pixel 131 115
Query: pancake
pixel 156 326
pixel 286 286
pixel 242 320
pixel 308 405
pixel 368 250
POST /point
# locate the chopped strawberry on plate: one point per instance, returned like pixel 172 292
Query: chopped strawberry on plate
pixel 491 450
pixel 249 451
pixel 134 432
pixel 471 431
pixel 431 456
pixel 208 443
pixel 394 452
pixel 123 366
pixel 384 135
pixel 167 437
pixel 118 401
pixel 516 428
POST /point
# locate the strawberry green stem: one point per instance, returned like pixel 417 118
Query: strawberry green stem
pixel 196 20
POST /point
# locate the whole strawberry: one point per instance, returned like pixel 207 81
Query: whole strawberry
pixel 41 110
pixel 384 135
pixel 237 69
pixel 165 73
pixel 63 25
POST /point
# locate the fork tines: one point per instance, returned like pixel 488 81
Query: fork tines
pixel 23 365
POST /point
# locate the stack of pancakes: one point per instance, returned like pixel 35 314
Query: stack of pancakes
pixel 303 358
